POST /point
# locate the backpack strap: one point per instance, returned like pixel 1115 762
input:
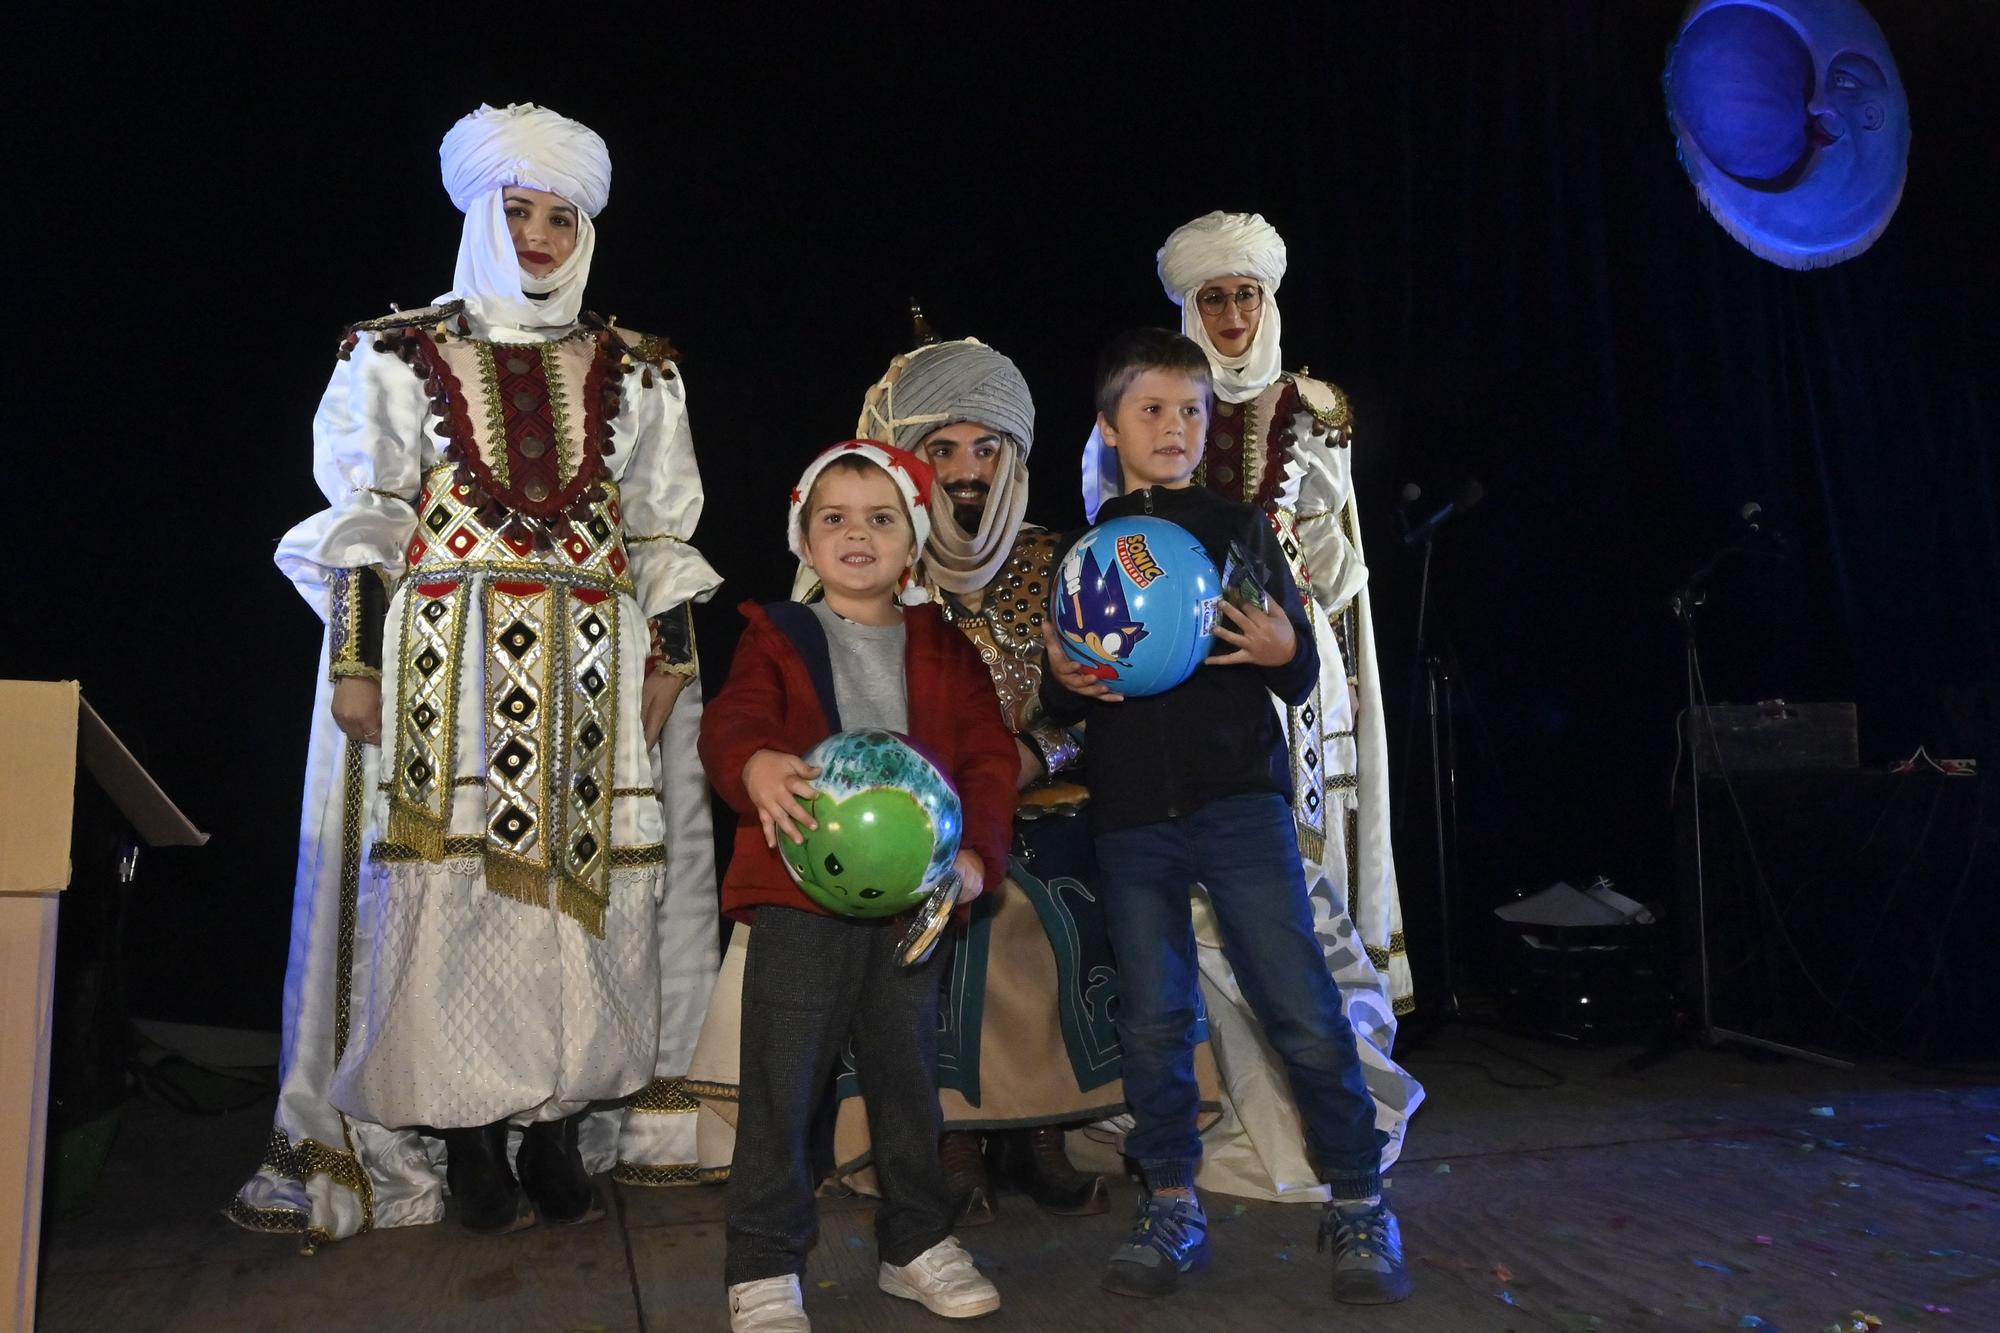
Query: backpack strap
pixel 797 623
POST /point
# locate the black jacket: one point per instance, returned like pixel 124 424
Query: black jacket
pixel 1215 734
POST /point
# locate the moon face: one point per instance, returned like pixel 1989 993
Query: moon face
pixel 1792 123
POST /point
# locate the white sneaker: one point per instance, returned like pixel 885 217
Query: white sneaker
pixel 768 1305
pixel 944 1279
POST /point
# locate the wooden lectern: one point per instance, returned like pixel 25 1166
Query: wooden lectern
pixel 46 728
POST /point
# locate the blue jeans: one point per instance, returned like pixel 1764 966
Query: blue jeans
pixel 1244 850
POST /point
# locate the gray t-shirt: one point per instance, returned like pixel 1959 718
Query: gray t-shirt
pixel 868 682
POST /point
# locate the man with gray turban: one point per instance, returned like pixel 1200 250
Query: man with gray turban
pixel 1283 442
pixel 505 914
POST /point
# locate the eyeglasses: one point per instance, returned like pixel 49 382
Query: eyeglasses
pixel 1246 299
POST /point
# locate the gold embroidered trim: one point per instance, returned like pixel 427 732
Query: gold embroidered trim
pixel 1353 829
pixel 619 793
pixel 357 670
pixel 687 670
pixel 470 846
pixel 524 668
pixel 343 625
pixel 646 854
pixel 566 450
pixel 582 856
pixel 496 416
pixel 682 1173
pixel 711 1092
pixel 276 1221
pixel 312 1158
pixel 387 495
pixel 1405 1004
pixel 633 539
pixel 1344 782
pixel 426 755
pixel 664 1096
pixel 354 776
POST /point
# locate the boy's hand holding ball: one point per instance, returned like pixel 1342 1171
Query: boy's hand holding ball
pixel 1070 674
pixel 777 782
pixel 1260 634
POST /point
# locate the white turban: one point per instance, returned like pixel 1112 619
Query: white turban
pixel 1222 245
pixel 527 145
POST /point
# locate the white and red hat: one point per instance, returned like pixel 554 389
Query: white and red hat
pixel 913 478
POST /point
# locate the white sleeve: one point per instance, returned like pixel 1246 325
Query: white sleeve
pixel 1326 490
pixel 662 497
pixel 368 451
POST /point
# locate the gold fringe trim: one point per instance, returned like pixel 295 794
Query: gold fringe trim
pixel 582 904
pixel 1312 844
pixel 416 829
pixel 519 880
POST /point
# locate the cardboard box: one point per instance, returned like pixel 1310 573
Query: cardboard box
pixel 45 728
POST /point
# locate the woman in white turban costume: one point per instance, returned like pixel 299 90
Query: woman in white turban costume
pixel 1283 441
pixel 504 928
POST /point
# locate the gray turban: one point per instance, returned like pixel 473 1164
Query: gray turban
pixel 947 383
pixel 942 385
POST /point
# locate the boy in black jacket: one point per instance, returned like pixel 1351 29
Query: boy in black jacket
pixel 1194 786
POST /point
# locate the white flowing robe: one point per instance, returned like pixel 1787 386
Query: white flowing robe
pixel 415 995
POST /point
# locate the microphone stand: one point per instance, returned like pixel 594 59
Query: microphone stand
pixel 1444 770
pixel 1686 603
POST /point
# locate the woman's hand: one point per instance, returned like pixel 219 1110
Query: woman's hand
pixel 1262 636
pixel 1071 674
pixel 777 782
pixel 357 708
pixel 971 873
pixel 656 703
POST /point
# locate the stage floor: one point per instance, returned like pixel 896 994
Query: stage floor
pixel 1709 1191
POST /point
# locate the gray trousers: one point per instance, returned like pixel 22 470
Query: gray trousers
pixel 810 983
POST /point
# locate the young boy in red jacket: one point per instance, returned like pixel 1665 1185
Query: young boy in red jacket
pixel 858 657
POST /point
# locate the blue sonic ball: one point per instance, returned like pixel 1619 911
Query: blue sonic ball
pixel 1135 604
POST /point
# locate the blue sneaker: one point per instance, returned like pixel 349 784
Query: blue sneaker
pixel 1169 1237
pixel 1368 1266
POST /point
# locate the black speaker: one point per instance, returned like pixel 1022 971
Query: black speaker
pixel 1850 912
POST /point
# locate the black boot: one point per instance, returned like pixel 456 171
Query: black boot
pixel 480 1182
pixel 965 1173
pixel 1035 1159
pixel 552 1171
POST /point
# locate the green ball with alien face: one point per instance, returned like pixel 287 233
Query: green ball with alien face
pixel 889 826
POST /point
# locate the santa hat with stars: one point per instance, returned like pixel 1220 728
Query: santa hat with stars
pixel 913 480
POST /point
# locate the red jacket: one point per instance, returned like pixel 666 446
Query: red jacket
pixel 771 703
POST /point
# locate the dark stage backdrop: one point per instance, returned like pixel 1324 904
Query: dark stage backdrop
pixel 1493 250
